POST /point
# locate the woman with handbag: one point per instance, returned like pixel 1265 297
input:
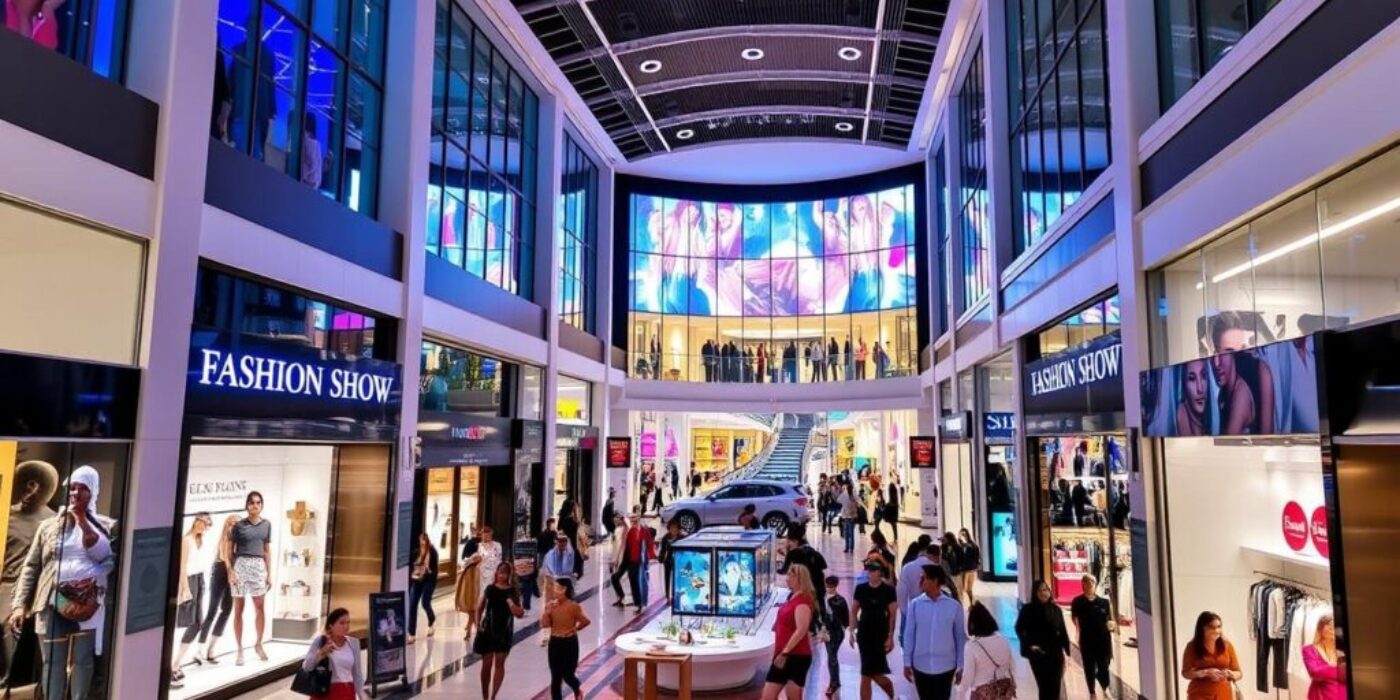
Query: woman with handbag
pixel 422 583
pixel 1210 662
pixel 500 606
pixel 989 668
pixel 64 583
pixel 196 554
pixel 331 670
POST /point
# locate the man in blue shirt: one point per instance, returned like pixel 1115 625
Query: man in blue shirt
pixel 558 563
pixel 934 636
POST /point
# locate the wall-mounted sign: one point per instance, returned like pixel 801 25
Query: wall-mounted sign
pixel 1295 526
pixel 1080 381
pixel 247 378
pixel 1317 527
pixel 580 436
pixel 922 452
pixel 1268 390
pixel 998 426
pixel 619 452
pixel 956 426
pixel 462 439
pixel 527 436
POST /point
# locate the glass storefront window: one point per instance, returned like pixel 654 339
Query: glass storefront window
pixel 1194 35
pixel 300 97
pixel 531 393
pixel 730 292
pixel 573 404
pixel 1096 320
pixel 38 480
pixel 1318 261
pixel 578 238
pixel 93 33
pixel 1059 92
pixel 461 381
pixel 40 314
pixel 481 171
pixel 976 218
pixel 272 314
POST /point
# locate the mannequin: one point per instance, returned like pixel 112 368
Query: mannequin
pixel 251 576
pixel 196 548
pixel 35 483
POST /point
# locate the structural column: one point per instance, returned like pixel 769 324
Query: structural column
pixel 551 141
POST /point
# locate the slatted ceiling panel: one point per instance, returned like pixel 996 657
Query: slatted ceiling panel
pixel 757 93
pixel 639 30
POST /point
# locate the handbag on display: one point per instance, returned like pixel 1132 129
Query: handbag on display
pixel 999 688
pixel 78 600
pixel 315 682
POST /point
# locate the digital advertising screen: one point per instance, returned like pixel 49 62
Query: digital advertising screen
pixel 1004 559
pixel 825 256
pixel 735 582
pixel 692 584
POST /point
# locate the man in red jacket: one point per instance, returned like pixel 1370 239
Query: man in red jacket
pixel 638 550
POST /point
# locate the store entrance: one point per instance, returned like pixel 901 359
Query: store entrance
pixel 450 514
pixel 1083 514
pixel 573 479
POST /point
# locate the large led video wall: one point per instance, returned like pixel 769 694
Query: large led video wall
pixel 764 276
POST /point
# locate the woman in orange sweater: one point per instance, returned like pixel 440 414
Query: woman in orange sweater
pixel 1210 662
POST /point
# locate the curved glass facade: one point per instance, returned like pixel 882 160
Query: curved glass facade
pixel 745 291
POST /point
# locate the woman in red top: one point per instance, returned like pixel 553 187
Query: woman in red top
pixel 794 650
pixel 1210 662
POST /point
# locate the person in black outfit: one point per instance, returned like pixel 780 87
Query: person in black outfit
pixel 1093 618
pixel 610 512
pixel 707 360
pixel 695 480
pixel 799 552
pixel 874 613
pixel 1044 642
pixel 1081 504
pixel 667 555
pixel 840 616
pixel 916 548
pixel 568 524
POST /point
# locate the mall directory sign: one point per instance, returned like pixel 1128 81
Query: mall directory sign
pixel 921 452
pixel 619 452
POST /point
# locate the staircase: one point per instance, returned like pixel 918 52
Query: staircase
pixel 785 461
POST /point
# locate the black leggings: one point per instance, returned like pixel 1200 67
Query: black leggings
pixel 563 665
pixel 220 602
pixel 196 585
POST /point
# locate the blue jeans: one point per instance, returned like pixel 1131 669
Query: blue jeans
pixel 60 639
pixel 848 533
pixel 421 591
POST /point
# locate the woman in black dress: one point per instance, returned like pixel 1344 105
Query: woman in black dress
pixel 1044 641
pixel 500 605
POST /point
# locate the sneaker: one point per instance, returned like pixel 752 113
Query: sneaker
pixel 177 679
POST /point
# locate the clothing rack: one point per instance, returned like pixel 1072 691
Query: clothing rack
pixel 1294 582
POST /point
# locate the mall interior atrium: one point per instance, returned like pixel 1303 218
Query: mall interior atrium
pixel 729 349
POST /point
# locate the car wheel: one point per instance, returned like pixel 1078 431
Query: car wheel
pixel 689 522
pixel 777 522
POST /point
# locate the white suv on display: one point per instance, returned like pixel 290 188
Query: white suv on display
pixel 777 504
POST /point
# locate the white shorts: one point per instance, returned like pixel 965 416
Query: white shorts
pixel 252 577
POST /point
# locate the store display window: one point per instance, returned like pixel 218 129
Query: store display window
pixel 1247 529
pixel 61 605
pixel 572 405
pixel 261 540
pixel 450 514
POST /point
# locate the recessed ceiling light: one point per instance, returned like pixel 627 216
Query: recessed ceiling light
pixel 684 134
pixel 650 65
pixel 848 53
pixel 844 126
pixel 752 54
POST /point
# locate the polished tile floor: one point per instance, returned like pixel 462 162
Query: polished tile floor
pixel 441 667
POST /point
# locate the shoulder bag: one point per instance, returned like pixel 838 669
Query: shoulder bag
pixel 999 688
pixel 315 682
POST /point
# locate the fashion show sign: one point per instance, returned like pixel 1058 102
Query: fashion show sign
pixel 1080 381
pixel 252 379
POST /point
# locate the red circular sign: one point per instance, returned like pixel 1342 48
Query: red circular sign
pixel 1295 526
pixel 1319 531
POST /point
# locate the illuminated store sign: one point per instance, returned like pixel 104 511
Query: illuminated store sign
pixel 257 373
pixel 1092 366
pixel 921 452
pixel 1081 381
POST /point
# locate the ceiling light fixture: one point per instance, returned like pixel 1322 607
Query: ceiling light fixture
pixel 844 127
pixel 649 66
pixel 684 134
pixel 849 53
pixel 1305 241
pixel 751 54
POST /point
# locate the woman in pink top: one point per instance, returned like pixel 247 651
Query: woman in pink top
pixel 1324 663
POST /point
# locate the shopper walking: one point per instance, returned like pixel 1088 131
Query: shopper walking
pixel 337 650
pixel 1040 625
pixel 952 556
pixel 839 618
pixel 874 608
pixel 793 658
pixel 468 592
pixel 934 638
pixel 558 563
pixel 667 554
pixel 422 583
pixel 971 562
pixel 1210 662
pixel 990 667
pixel 1325 663
pixel 563 618
pixel 1093 623
pixel 801 553
pixel 638 550
pixel 500 607
pixel 850 512
pixel 610 510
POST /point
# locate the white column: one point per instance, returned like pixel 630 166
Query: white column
pixel 173 63
pixel 1025 475
pixel 551 147
pixel 997 131
pixel 930 502
pixel 620 480
pixel 402 194
pixel 1133 105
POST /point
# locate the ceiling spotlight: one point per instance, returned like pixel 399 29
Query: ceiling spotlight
pixel 650 65
pixel 844 127
pixel 685 134
pixel 752 54
pixel 848 53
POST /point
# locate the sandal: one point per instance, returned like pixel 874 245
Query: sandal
pixel 259 651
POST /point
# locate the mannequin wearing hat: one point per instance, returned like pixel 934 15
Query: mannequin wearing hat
pixel 72 552
pixel 35 483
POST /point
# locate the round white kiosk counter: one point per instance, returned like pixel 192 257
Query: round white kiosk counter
pixel 716 664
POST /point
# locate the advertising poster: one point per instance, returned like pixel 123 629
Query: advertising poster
pixel 921 452
pixel 928 508
pixel 386 639
pixel 1004 557
pixel 692 583
pixel 1268 390
pixel 620 452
